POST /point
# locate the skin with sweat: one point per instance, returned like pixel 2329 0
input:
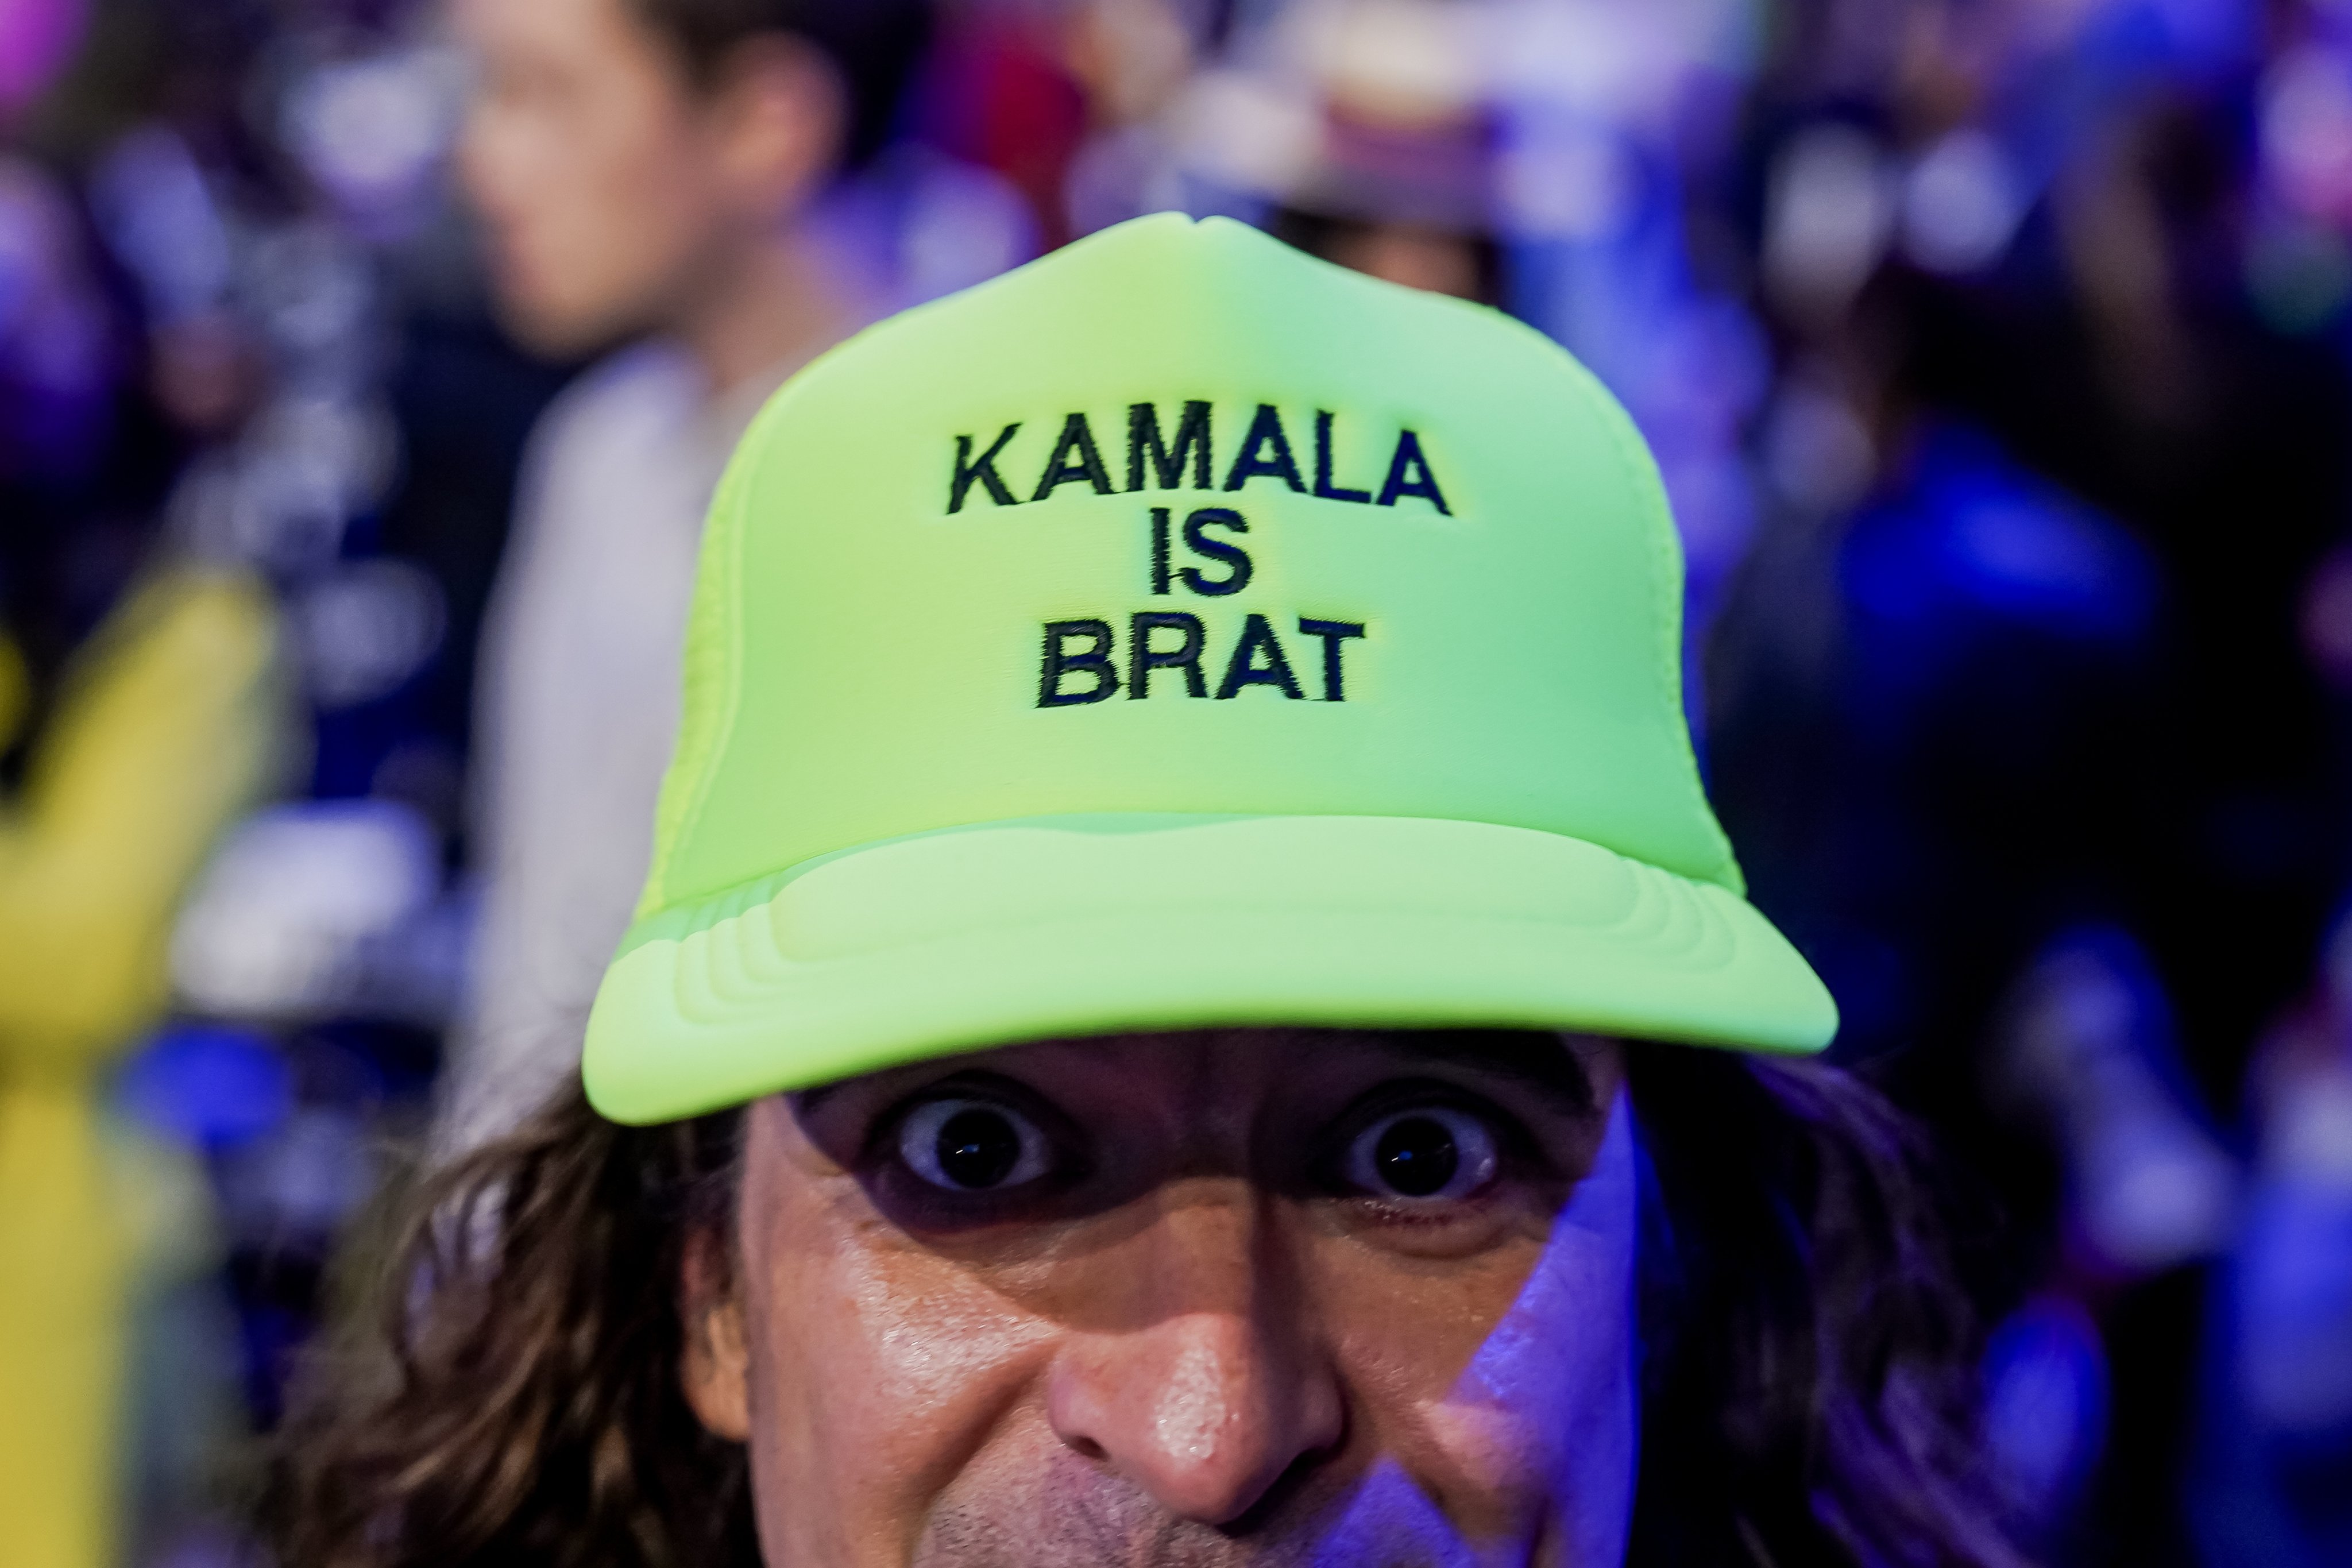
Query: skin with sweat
pixel 1237 1297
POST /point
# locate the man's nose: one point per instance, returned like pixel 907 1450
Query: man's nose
pixel 1220 1387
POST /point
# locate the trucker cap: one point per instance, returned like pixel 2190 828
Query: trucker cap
pixel 1178 632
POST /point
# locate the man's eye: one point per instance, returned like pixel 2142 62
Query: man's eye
pixel 972 1145
pixel 1430 1152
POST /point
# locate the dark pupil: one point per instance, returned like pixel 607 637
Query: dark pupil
pixel 1416 1156
pixel 978 1148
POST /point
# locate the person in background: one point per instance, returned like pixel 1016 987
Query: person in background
pixel 646 172
pixel 2051 771
pixel 2270 1486
pixel 1409 204
pixel 1394 171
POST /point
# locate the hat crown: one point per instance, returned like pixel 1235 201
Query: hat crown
pixel 1177 520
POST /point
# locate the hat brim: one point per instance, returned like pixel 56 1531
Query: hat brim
pixel 958 939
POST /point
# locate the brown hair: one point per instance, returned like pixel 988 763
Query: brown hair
pixel 1808 1397
pixel 874 45
pixel 1811 1396
pixel 514 1398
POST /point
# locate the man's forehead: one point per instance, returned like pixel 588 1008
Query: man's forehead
pixel 1553 1066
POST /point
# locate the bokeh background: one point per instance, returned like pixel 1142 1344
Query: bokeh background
pixel 1997 356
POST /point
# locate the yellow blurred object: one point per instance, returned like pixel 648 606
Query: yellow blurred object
pixel 163 731
pixel 15 692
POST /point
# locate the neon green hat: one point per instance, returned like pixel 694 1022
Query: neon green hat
pixel 1180 632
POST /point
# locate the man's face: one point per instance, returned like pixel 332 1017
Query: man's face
pixel 594 166
pixel 1431 260
pixel 1264 1297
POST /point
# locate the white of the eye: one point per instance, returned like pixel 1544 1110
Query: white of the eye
pixel 919 1143
pixel 1476 1157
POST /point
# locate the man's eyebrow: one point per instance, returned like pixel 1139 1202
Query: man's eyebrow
pixel 1532 1060
pixel 1540 1062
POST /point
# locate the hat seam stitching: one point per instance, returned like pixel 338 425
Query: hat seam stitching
pixel 725 536
pixel 1665 581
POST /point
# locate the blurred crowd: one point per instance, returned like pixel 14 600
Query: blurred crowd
pixel 362 385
